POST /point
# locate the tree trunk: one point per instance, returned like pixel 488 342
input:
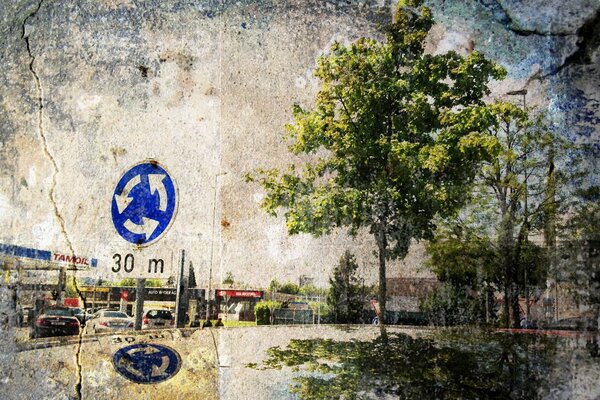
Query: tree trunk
pixel 516 308
pixel 520 269
pixel 506 241
pixel 506 305
pixel 382 244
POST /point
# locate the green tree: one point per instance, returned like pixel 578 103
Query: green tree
pixel 228 280
pixel 584 222
pixel 467 266
pixel 394 137
pixel 126 282
pixel 274 286
pixel 527 185
pixel 312 290
pixel 264 311
pixel 289 288
pixel 518 193
pixel 191 277
pixel 344 299
pixel 130 282
pixel 579 248
pixel 71 287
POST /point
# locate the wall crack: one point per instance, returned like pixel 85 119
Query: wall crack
pixel 25 35
pixel 588 35
pixel 501 15
pixel 588 43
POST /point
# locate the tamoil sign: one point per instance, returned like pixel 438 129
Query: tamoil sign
pixel 74 260
pixel 49 259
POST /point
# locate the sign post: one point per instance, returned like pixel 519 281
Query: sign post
pixel 181 301
pixel 139 302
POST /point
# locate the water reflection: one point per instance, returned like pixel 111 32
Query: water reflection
pixel 442 365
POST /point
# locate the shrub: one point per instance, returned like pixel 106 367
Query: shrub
pixel 449 306
pixel 262 311
pixel 289 288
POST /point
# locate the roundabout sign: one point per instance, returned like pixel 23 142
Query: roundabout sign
pixel 147 363
pixel 144 203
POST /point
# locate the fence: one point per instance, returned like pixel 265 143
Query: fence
pixel 286 316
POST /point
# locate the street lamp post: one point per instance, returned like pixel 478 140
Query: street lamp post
pixel 522 92
pixel 212 246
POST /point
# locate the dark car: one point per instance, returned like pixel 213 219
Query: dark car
pixel 56 321
pixel 157 318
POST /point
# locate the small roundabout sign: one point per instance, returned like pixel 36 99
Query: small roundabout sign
pixel 147 363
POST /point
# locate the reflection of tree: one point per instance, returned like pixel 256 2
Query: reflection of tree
pixel 449 366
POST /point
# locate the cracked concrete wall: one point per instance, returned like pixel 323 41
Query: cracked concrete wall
pixel 205 88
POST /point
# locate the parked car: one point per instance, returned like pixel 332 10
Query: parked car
pixel 56 321
pixel 79 314
pixel 89 312
pixel 109 320
pixel 157 318
pixel 27 312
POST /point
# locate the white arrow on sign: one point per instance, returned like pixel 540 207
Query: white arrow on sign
pixel 123 199
pixel 159 371
pixel 147 227
pixel 156 183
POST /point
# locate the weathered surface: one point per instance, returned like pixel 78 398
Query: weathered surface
pixel 240 347
pixel 90 88
pixel 64 371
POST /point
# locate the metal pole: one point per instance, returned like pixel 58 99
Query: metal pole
pixel 487 303
pixel 139 302
pixel 94 300
pixel 556 294
pixel 60 288
pixel 179 299
pixel 212 247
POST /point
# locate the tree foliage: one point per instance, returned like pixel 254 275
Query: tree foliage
pixel 579 248
pixel 518 194
pixel 289 288
pixel 264 311
pixel 584 221
pixel 393 138
pixel 274 286
pixel 312 290
pixel 131 282
pixel 228 280
pixel 345 300
pixel 191 276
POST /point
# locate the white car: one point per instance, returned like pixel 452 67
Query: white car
pixel 108 321
pixel 158 318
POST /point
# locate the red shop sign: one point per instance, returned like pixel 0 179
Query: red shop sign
pixel 240 293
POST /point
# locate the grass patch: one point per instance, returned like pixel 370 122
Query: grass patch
pixel 237 323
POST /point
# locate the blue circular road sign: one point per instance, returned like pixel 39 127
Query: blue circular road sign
pixel 144 203
pixel 146 363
